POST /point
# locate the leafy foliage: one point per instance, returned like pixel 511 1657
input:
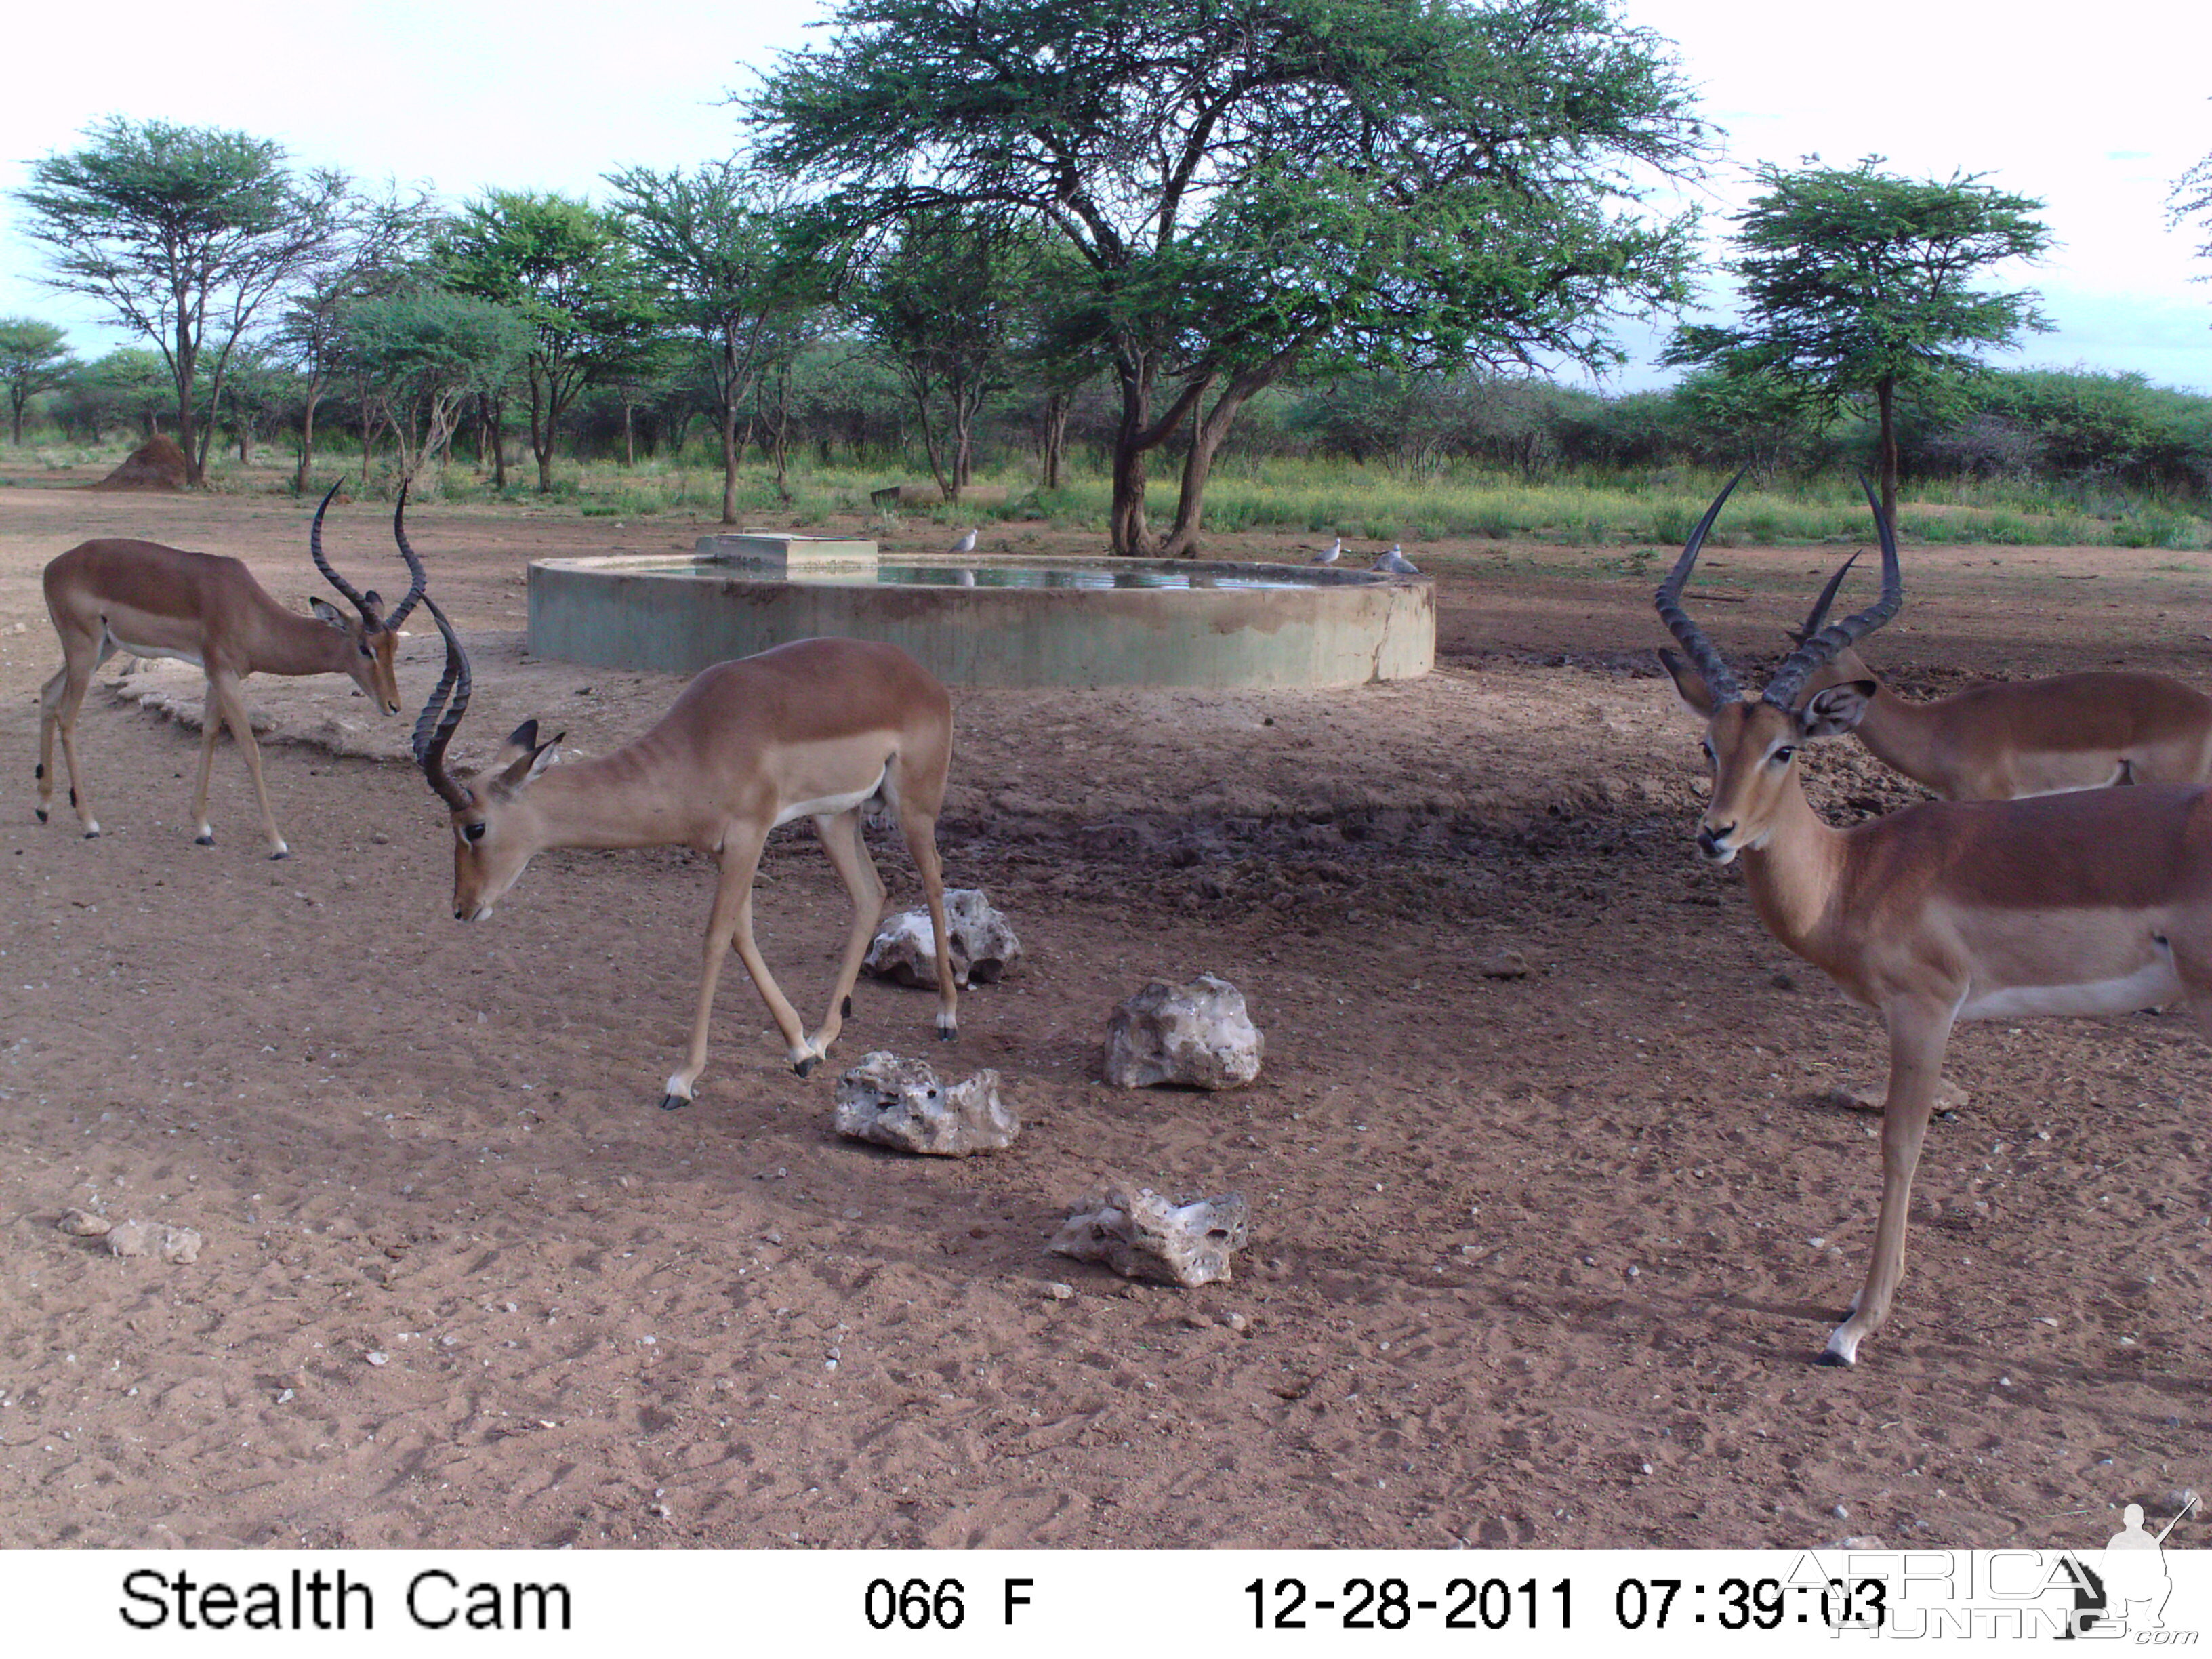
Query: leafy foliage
pixel 34 358
pixel 184 233
pixel 1249 184
pixel 1855 282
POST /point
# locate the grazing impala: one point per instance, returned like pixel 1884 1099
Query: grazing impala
pixel 818 729
pixel 2095 901
pixel 2001 741
pixel 154 601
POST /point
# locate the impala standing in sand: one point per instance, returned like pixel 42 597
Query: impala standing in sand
pixel 2007 739
pixel 2095 901
pixel 817 729
pixel 204 609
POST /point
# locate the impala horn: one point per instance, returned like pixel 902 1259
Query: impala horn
pixel 1798 635
pixel 1822 647
pixel 1714 671
pixel 429 743
pixel 369 618
pixel 414 565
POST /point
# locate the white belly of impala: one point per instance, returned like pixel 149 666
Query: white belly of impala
pixel 2151 985
pixel 176 651
pixel 829 806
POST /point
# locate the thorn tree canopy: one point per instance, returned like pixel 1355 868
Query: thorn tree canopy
pixel 183 233
pixel 1249 183
pixel 1856 282
pixel 34 358
pixel 724 259
pixel 563 264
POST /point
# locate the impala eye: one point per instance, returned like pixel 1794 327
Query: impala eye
pixel 472 831
pixel 1781 756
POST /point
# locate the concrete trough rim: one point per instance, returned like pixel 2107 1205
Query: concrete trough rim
pixel 1326 627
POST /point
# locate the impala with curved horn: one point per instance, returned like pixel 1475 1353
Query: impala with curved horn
pixel 817 729
pixel 2096 902
pixel 2007 739
pixel 204 609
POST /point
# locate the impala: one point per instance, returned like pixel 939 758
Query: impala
pixel 1999 742
pixel 2096 902
pixel 110 595
pixel 818 729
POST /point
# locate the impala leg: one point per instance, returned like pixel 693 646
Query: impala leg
pixel 1919 1033
pixel 49 704
pixel 730 922
pixel 59 699
pixel 848 847
pixel 920 834
pixel 211 718
pixel 231 698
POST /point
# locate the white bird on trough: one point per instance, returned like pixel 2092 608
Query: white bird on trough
pixel 1395 564
pixel 965 544
pixel 1330 554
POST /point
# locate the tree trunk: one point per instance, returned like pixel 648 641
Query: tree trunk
pixel 1053 441
pixel 630 437
pixel 185 366
pixel 541 434
pixel 730 452
pixel 1885 392
pixel 16 410
pixel 495 413
pixel 303 477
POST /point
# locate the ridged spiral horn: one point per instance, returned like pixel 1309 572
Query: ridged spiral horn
pixel 1820 650
pixel 434 728
pixel 416 579
pixel 345 588
pixel 1719 681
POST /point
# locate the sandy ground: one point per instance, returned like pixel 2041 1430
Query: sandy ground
pixel 1538 1262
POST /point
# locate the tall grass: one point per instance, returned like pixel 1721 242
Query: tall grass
pixel 1307 498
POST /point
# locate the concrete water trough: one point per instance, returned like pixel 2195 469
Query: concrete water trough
pixel 1000 621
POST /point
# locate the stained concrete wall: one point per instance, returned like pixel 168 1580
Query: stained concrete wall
pixel 1344 629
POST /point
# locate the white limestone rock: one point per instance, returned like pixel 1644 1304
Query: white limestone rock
pixel 133 1238
pixel 903 1103
pixel 1140 1235
pixel 983 944
pixel 83 1224
pixel 1196 1035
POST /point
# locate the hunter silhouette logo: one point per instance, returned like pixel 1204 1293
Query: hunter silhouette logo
pixel 2127 1591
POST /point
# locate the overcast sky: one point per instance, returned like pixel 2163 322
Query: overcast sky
pixel 2096 119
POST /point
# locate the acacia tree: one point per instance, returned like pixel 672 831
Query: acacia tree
pixel 563 266
pixel 184 233
pixel 728 264
pixel 946 304
pixel 421 356
pixel 378 243
pixel 1250 182
pixel 34 358
pixel 1858 283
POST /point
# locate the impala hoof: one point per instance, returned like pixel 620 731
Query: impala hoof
pixel 203 841
pixel 41 812
pixel 948 1034
pixel 1830 1357
pixel 281 853
pixel 803 1066
pixel 670 1102
pixel 92 834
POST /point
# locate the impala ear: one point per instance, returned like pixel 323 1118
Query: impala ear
pixel 1836 708
pixel 527 766
pixel 326 612
pixel 1689 684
